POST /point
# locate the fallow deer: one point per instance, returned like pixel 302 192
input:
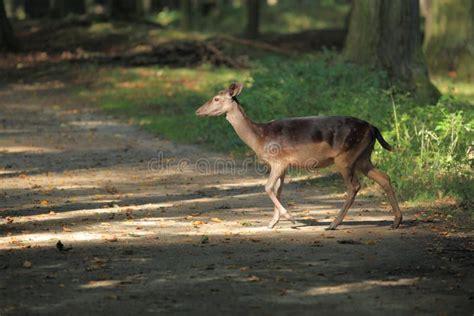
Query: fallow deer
pixel 308 142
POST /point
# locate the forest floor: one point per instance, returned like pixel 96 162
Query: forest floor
pixel 139 238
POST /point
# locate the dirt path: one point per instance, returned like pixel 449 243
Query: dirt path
pixel 178 240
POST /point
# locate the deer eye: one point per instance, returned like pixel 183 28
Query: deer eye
pixel 216 99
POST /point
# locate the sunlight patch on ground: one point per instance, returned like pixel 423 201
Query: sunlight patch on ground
pixel 100 284
pixel 27 149
pixel 250 182
pixel 88 212
pixel 46 239
pixel 359 286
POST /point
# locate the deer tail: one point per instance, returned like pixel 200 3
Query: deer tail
pixel 381 140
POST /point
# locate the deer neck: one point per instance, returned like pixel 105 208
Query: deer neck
pixel 247 130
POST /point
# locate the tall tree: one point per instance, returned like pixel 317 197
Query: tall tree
pixel 8 41
pixel 449 37
pixel 253 19
pixel 186 14
pixel 386 33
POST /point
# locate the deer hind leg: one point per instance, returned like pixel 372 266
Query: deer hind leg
pixel 273 188
pixel 383 180
pixel 353 186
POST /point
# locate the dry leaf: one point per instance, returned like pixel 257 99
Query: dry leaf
pixel 111 238
pixel 27 264
pixel 44 202
pixel 110 189
pixel 216 220
pixel 253 278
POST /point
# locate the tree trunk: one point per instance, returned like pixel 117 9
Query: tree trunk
pixel 386 33
pixel 8 41
pixel 449 37
pixel 186 14
pixel 253 18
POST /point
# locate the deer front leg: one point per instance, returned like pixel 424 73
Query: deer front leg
pixel 273 188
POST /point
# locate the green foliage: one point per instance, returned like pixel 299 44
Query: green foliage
pixel 281 17
pixel 308 86
pixel 430 161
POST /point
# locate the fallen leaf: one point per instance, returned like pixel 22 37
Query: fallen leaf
pixel 44 202
pixel 197 223
pixel 216 220
pixel 253 278
pixel 59 245
pixel 110 189
pixel 96 263
pixel 27 264
pixel 111 238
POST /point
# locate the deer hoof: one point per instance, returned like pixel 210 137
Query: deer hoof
pixel 289 217
pixel 272 224
pixel 396 223
pixel 331 227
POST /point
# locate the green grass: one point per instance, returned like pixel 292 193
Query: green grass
pixel 431 140
pixel 162 100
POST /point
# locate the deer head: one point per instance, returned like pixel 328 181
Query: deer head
pixel 222 102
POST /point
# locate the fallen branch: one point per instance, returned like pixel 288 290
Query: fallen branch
pixel 221 58
pixel 257 44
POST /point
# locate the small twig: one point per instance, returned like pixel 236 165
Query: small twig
pixel 221 58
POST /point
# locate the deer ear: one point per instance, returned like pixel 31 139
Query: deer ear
pixel 235 89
